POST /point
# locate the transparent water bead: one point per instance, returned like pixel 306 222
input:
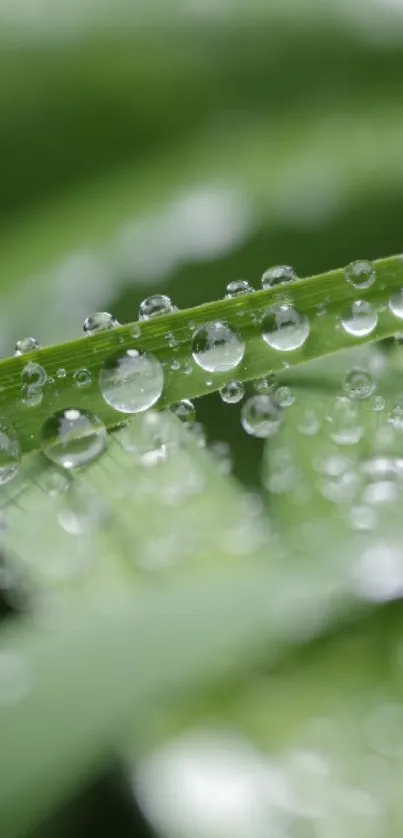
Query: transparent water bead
pixel 32 396
pixel 238 288
pixel 284 397
pixel 396 303
pixel 278 275
pixel 26 345
pixel 184 410
pixel 101 321
pixel 155 306
pixel 73 438
pixel 10 456
pixel 131 382
pixel 82 378
pixel 359 319
pixel 345 426
pixel 217 348
pixel 358 384
pixel 33 375
pixel 260 416
pixel 266 384
pixel 360 274
pixel 232 392
pixel 285 328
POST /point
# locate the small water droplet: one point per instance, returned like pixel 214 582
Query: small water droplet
pixel 185 411
pixel 31 396
pixel 260 416
pixel 82 378
pixel 359 319
pixel 358 384
pixel 308 422
pixel 217 348
pixel 378 403
pixel 278 275
pixel 396 303
pixel 61 373
pixel 131 382
pixel 232 392
pixel 33 375
pixel 285 328
pixel 155 306
pixel 360 274
pixel 344 421
pixel 73 438
pixel 187 369
pixel 26 345
pixel 284 397
pixel 10 456
pixel 136 331
pixel 238 288
pixel 101 321
pixel 266 384
pixel 175 365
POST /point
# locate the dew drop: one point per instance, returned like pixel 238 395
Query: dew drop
pixel 232 392
pixel 155 306
pixel 217 348
pixel 278 275
pixel 175 365
pixel 358 384
pixel 185 411
pixel 266 384
pixel 73 438
pixel 82 378
pixel 131 382
pixel 360 274
pixel 33 375
pixel 26 345
pixel 285 328
pixel 284 397
pixel 32 396
pixel 344 421
pixel 260 416
pixel 359 319
pixel 238 288
pixel 61 373
pixel 396 303
pixel 101 321
pixel 10 457
pixel 136 331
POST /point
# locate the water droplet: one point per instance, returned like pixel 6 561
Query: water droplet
pixel 10 456
pixel 360 274
pixel 378 403
pixel 358 384
pixel 33 375
pixel 359 319
pixel 175 365
pixel 284 397
pixel 131 382
pixel 101 321
pixel 187 369
pixel 260 416
pixel 285 328
pixel 238 288
pixel 217 348
pixel 308 423
pixel 344 420
pixel 232 392
pixel 32 396
pixel 26 345
pixel 136 331
pixel 73 438
pixel 396 303
pixel 155 306
pixel 82 378
pixel 266 384
pixel 55 481
pixel 185 411
pixel 61 373
pixel 278 275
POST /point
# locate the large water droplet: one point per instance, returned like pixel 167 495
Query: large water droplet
pixel 358 384
pixel 33 375
pixel 260 416
pixel 232 392
pixel 155 306
pixel 278 275
pixel 285 328
pixel 131 382
pixel 360 274
pixel 73 438
pixel 238 288
pixel 185 411
pixel 101 321
pixel 10 456
pixel 26 345
pixel 217 348
pixel 396 303
pixel 359 319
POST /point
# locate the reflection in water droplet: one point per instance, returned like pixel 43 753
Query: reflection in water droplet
pixel 184 410
pixel 73 438
pixel 33 375
pixel 232 392
pixel 396 303
pixel 131 382
pixel 278 275
pixel 10 456
pixel 101 321
pixel 360 274
pixel 82 378
pixel 22 347
pixel 238 288
pixel 155 306
pixel 217 348
pixel 359 319
pixel 285 328
pixel 358 384
pixel 260 416
pixel 284 397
